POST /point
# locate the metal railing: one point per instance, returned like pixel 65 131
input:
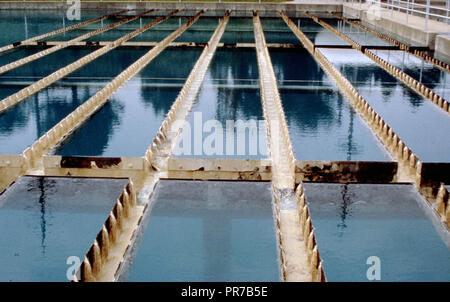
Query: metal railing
pixel 410 8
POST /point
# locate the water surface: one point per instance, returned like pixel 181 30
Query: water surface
pixel 207 231
pixel 355 221
pixel 45 220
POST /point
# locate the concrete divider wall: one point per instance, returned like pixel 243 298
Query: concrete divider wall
pixel 98 253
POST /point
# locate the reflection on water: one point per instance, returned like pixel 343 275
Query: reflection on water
pixel 230 92
pixel 138 107
pixel 46 220
pixel 125 126
pixel 432 76
pixel 358 35
pixel 322 124
pixel 29 120
pixel 421 124
pixel 276 31
pixel 238 31
pixel 24 24
pixel 317 33
pixel 207 231
pixel 22 125
pixel 355 221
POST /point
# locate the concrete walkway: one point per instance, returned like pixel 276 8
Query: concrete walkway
pixel 416 22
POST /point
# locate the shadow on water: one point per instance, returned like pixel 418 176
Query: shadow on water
pixel 93 137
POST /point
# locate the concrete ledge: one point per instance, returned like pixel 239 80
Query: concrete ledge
pixel 216 9
pixel 395 24
pixel 442 48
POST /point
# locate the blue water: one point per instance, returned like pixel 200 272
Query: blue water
pixel 33 117
pixel 43 221
pixel 138 107
pixel 317 33
pixel 322 124
pixel 427 73
pixel 238 31
pixel 24 24
pixel 228 96
pixel 353 222
pixel 207 231
pixel 421 124
pixel 358 35
pixel 276 31
pixel 199 32
pixel 161 30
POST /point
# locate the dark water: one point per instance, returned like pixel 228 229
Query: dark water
pixel 45 65
pixel 422 71
pixel 112 34
pixel 229 96
pixel 161 30
pixel 18 53
pixel 353 222
pixel 18 25
pixel 317 33
pixel 358 35
pixel 322 124
pixel 207 231
pixel 421 124
pixel 239 31
pixel 199 32
pixel 43 221
pixel 138 108
pixel 23 124
pixel 276 31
